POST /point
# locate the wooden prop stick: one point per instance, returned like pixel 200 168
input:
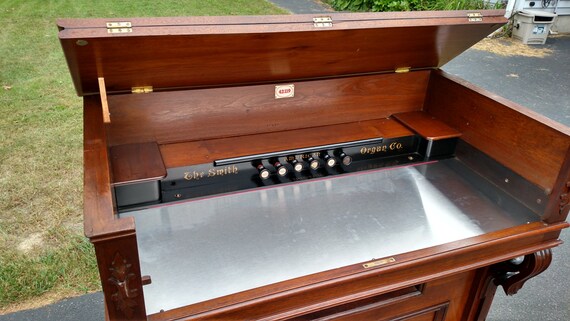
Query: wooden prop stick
pixel 104 104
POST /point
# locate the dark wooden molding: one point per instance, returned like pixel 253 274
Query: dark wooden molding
pixel 532 265
pixel 121 278
pixel 119 268
pixel 565 200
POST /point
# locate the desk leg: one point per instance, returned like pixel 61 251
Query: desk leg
pixel 119 268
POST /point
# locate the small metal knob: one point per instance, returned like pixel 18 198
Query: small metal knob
pixel 313 163
pixel 329 160
pixel 281 170
pixel 297 166
pixel 345 159
pixel 263 172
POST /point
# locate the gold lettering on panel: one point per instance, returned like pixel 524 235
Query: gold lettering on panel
pixel 212 172
pixel 381 148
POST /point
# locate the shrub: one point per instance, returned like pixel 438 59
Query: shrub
pixel 413 5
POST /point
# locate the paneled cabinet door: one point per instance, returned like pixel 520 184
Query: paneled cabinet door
pixel 437 300
pixel 436 313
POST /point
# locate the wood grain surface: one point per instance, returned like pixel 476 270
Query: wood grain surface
pixel 136 163
pixel 206 151
pixel 214 80
pixel 170 117
pixel 99 219
pixel 175 52
pixel 426 125
pixel 294 298
pixel 529 144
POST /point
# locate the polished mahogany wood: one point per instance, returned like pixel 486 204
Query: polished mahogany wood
pixel 510 276
pixel 263 49
pixel 207 151
pixel 136 163
pixel 481 295
pixel 114 239
pixel 532 265
pixel 439 300
pixel 121 279
pixel 72 25
pixel 502 129
pixel 325 290
pixel 99 221
pixel 559 200
pixel 188 115
pixel 366 305
pixel 214 80
pixel 426 125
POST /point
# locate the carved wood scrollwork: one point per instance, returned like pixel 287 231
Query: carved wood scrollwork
pixel 514 278
pixel 121 278
pixel 565 200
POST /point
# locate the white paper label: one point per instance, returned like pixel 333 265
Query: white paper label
pixel 284 91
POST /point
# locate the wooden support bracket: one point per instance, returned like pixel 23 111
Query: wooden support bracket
pixel 533 265
pixel 104 103
pixel 511 276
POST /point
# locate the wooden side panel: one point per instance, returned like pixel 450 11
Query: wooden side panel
pixel 113 238
pixel 169 117
pixel 99 219
pixel 559 201
pixel 528 143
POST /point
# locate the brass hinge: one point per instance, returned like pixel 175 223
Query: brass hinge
pixel 400 70
pixel 475 16
pixel 119 27
pixel 141 90
pixel 322 22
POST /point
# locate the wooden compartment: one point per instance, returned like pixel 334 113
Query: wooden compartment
pixel 425 186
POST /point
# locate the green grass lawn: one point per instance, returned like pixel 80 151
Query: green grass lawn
pixel 43 255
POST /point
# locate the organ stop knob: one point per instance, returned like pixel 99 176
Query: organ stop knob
pixel 263 172
pixel 280 168
pixel 329 160
pixel 345 159
pixel 313 163
pixel 297 166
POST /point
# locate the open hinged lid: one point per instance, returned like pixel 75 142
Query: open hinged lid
pixel 166 53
